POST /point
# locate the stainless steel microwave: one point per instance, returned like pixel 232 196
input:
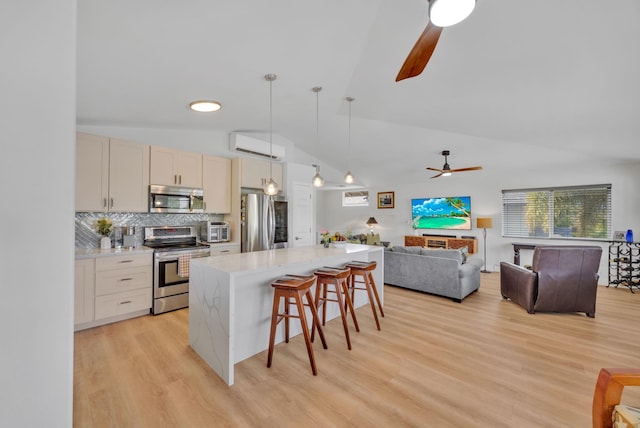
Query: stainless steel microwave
pixel 173 199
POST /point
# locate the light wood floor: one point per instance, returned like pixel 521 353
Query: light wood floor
pixel 436 363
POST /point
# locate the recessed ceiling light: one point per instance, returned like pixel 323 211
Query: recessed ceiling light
pixel 205 106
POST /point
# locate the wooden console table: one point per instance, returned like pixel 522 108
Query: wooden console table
pixel 450 242
pixel 516 251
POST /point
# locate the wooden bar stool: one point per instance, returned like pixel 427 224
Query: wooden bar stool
pixel 292 289
pixel 363 270
pixel 338 278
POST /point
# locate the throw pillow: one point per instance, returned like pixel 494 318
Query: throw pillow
pixel 465 253
pixel 373 239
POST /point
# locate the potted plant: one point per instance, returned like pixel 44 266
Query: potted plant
pixel 103 227
pixel 326 237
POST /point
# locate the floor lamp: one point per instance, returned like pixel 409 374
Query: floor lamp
pixel 484 223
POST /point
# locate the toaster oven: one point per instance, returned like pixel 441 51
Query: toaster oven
pixel 214 231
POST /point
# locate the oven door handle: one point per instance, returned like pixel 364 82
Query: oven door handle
pixel 171 256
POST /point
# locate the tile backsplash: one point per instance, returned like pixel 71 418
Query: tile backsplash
pixel 87 238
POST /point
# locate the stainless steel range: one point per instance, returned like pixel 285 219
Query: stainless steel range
pixel 173 247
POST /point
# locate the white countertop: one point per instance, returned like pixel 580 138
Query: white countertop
pixel 260 260
pixel 91 253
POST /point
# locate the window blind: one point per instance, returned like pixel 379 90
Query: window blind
pixel 581 212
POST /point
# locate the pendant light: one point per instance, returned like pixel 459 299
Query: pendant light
pixel 348 177
pixel 271 188
pixel 317 179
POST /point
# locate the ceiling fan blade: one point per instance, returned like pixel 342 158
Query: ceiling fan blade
pixel 421 53
pixel 471 168
pixel 433 169
pixel 436 176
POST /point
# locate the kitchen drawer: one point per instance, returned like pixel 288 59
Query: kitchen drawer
pixel 122 303
pixel 123 262
pixel 116 281
pixel 219 250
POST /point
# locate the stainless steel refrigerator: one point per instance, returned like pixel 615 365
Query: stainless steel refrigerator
pixel 263 222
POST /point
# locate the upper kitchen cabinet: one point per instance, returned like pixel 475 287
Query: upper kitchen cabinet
pixel 216 182
pixel 255 173
pixel 111 175
pixel 172 167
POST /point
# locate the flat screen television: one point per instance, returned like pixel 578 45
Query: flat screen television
pixel 441 213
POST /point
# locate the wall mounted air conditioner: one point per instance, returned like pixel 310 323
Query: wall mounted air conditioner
pixel 250 145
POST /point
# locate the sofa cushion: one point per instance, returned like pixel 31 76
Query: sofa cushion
pixel 445 254
pixel 407 250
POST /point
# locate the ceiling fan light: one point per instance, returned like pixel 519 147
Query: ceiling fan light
pixel 444 13
pixel 205 106
pixel 348 178
pixel 446 174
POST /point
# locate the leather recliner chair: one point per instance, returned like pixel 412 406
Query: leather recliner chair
pixel 561 279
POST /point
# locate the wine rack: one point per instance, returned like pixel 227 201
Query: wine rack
pixel 624 264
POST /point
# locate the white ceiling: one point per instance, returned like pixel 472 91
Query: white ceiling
pixel 514 83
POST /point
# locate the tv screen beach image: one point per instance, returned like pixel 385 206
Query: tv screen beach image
pixel 441 213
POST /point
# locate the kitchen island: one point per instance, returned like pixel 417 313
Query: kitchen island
pixel 230 298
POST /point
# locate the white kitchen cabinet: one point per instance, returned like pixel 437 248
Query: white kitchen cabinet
pixel 172 167
pixel 222 249
pixel 111 175
pixel 254 173
pixel 216 182
pixel 84 290
pixel 123 285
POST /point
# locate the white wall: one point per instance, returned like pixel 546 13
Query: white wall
pixel 37 106
pixel 485 188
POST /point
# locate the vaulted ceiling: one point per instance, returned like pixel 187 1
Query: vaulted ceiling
pixel 517 81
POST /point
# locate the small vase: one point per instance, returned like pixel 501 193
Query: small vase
pixel 326 244
pixel 629 236
pixel 105 243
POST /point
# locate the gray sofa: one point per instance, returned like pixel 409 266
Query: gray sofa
pixel 448 273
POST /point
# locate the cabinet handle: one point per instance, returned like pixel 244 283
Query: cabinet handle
pixel 125 261
pixel 175 178
pixel 179 178
pixel 126 302
pixel 111 203
pixel 104 203
pixel 125 279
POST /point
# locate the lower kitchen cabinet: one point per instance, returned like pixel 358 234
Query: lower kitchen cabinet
pixel 112 288
pixel 121 303
pixel 222 249
pixel 123 284
pixel 84 290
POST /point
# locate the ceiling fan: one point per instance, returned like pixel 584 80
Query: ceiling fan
pixel 442 13
pixel 446 169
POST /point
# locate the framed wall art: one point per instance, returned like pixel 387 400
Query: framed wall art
pixel 386 200
pixel 618 235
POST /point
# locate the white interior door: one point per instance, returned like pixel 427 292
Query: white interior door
pixel 302 215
